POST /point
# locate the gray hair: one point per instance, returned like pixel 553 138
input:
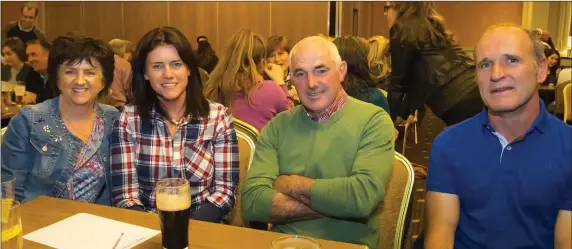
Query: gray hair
pixel 332 49
pixel 538 48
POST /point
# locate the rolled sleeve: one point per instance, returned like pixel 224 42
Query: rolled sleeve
pixel 225 164
pixel 124 181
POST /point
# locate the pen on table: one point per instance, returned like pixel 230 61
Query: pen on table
pixel 117 241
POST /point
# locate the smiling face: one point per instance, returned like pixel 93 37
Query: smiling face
pixel 80 83
pixel 552 60
pixel 9 57
pixel 37 57
pixel 507 71
pixel 316 76
pixel 28 18
pixel 167 74
pixel 279 57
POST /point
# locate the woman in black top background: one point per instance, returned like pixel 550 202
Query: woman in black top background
pixel 428 66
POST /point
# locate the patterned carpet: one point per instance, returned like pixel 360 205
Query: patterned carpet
pixel 429 128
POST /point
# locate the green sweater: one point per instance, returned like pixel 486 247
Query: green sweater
pixel 351 156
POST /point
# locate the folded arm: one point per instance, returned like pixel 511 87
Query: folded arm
pixel 225 165
pixel 359 194
pixel 260 200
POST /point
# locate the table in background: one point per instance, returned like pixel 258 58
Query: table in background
pixel 546 93
pixel 44 211
pixel 8 114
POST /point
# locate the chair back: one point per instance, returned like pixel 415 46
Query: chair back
pixel 2 135
pixel 393 209
pixel 247 136
pixel 567 103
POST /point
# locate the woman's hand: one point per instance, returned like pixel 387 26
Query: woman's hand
pixel 275 72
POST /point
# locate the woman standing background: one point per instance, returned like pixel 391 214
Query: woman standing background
pixel 428 66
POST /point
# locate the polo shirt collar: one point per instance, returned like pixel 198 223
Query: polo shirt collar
pixel 539 123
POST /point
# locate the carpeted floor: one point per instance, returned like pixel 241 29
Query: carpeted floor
pixel 429 128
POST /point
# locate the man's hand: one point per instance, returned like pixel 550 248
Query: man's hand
pixel 283 184
pixel 295 186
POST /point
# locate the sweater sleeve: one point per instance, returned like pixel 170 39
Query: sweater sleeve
pixel 257 193
pixel 359 194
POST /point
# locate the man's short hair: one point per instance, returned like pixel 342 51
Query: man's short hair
pixel 332 49
pixel 43 43
pixel 538 48
pixel 29 6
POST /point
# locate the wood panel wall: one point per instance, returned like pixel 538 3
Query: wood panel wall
pixel 219 20
pixel 216 20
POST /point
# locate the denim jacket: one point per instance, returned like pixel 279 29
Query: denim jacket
pixel 41 153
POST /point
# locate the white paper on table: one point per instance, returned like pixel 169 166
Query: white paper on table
pixel 90 231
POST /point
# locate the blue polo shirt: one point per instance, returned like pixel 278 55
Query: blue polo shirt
pixel 509 193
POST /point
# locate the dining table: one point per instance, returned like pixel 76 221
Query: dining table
pixel 44 211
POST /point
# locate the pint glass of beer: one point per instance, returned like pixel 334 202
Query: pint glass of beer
pixel 174 208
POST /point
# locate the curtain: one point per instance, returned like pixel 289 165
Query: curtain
pixel 560 39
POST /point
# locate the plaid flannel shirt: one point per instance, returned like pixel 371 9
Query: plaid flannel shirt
pixel 203 150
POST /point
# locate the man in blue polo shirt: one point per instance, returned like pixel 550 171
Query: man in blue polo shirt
pixel 503 179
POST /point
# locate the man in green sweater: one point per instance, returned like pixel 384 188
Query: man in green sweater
pixel 321 169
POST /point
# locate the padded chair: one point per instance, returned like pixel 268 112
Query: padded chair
pixel 2 135
pixel 247 136
pixel 567 103
pixel 393 210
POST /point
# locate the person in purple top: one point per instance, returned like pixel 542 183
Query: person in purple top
pixel 237 81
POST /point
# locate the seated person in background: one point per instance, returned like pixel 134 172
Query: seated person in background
pixel 206 55
pixel 277 51
pixel 60 147
pixel 553 70
pixel 237 81
pixel 38 52
pixel 320 169
pixel 171 130
pixel 379 61
pixel 358 82
pixel 503 178
pixel 121 48
pixel 121 85
pixel 15 69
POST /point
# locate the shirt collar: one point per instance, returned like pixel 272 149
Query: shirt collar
pixel 327 113
pixel 539 123
pixel 154 114
pixel 25 30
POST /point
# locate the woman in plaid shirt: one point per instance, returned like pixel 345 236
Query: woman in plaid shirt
pixel 172 130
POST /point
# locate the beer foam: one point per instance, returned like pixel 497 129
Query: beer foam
pixel 168 202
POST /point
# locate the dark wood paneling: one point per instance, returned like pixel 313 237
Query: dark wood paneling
pixel 103 20
pixel 63 17
pixel 237 15
pixel 140 17
pixel 194 19
pixel 299 20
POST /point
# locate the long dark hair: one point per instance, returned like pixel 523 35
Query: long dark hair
pixel 144 96
pixel 419 21
pixel 206 55
pixel 354 51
